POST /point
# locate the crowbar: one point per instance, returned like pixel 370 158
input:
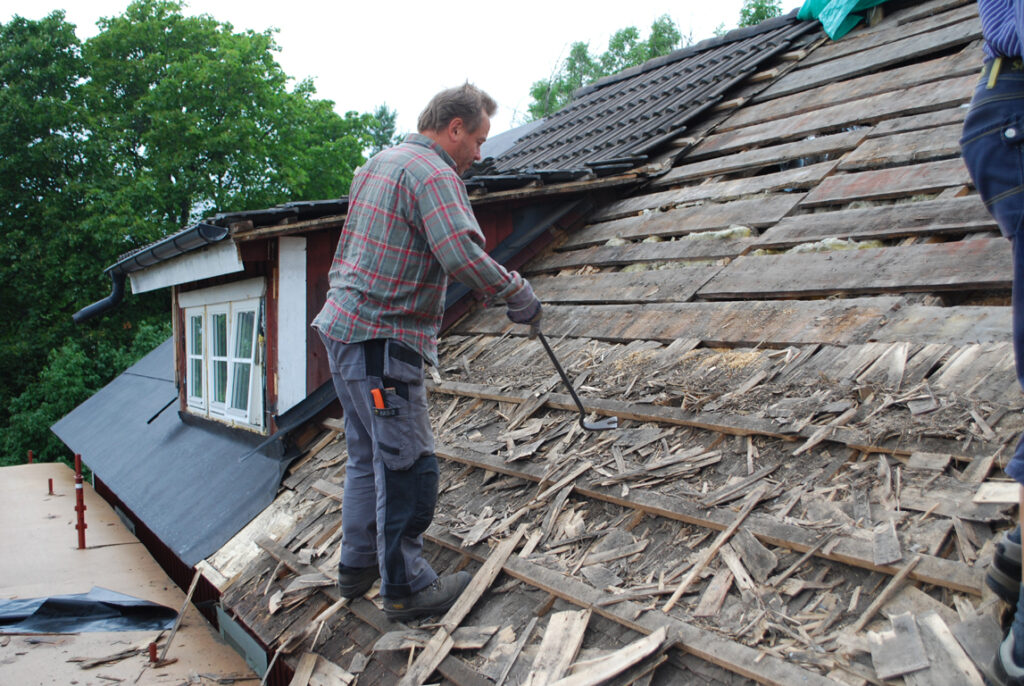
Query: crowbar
pixel 599 425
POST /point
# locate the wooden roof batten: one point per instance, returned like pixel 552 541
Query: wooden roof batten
pixel 802 326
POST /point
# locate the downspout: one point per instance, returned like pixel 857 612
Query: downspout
pixel 182 242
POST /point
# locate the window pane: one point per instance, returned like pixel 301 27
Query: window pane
pixel 219 324
pixel 197 334
pixel 220 380
pixel 243 334
pixel 196 378
pixel 240 386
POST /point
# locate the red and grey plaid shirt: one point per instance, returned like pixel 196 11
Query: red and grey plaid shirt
pixel 409 227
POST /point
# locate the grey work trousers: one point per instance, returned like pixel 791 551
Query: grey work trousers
pixel 391 475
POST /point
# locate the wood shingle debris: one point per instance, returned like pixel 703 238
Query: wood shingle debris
pixel 799 487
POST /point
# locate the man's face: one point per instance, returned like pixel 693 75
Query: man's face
pixel 466 144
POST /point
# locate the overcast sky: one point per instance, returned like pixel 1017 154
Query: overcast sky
pixel 365 53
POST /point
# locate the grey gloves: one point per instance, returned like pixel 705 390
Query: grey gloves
pixel 524 307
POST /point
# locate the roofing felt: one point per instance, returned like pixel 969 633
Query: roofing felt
pixel 623 116
pixel 188 484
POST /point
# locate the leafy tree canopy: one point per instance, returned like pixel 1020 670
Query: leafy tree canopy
pixel 109 144
pixel 625 49
pixel 755 11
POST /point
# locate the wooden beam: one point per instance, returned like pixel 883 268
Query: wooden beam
pixel 707 645
pixel 939 571
pixel 441 643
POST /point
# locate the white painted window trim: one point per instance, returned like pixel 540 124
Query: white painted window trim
pixel 292 323
pixel 228 300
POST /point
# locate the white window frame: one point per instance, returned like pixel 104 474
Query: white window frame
pixel 231 302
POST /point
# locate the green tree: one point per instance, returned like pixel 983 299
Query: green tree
pixel 157 121
pixel 625 49
pixel 755 11
pixel 382 124
pixel 41 186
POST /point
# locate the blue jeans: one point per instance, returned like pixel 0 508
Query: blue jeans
pixel 391 476
pixel 992 149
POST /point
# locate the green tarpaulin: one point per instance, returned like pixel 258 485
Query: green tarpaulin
pixel 836 16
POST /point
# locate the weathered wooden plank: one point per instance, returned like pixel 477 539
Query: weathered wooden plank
pixel 952 325
pixel 899 650
pixel 617 662
pixel 907 22
pixel 905 148
pixel 562 640
pixel 442 642
pixel 769 530
pixel 882 184
pixel 791 179
pixel 834 144
pixel 917 122
pixel 663 285
pixel 962 265
pixel 924 217
pixel 682 250
pixel 756 213
pixel 867 111
pixel 768 322
pixel 950 665
pixel 884 55
pixel 963 63
pixel 707 645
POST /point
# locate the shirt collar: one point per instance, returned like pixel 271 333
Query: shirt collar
pixel 420 139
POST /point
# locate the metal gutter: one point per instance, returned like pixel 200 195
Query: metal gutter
pixel 196 236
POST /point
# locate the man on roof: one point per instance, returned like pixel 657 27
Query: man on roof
pixel 993 150
pixel 409 228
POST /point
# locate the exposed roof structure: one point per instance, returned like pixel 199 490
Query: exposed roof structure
pixel 799 316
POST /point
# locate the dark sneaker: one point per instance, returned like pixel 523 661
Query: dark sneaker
pixel 434 599
pixel 1003 575
pixel 1005 671
pixel 354 582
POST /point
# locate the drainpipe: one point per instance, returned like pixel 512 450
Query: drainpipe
pixel 197 236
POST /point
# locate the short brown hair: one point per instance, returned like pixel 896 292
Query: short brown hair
pixel 466 102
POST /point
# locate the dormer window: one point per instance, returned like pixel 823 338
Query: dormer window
pixel 223 350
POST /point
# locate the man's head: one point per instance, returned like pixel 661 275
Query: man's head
pixel 459 119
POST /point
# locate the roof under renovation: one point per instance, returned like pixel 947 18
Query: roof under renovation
pixel 798 312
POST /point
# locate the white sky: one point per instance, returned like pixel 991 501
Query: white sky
pixel 361 54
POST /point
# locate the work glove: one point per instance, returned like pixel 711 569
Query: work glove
pixel 524 308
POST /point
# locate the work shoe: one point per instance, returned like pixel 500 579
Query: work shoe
pixel 434 599
pixel 1003 575
pixel 1004 671
pixel 354 582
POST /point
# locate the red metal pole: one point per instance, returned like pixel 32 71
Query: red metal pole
pixel 79 502
pixel 51 485
pixel 30 457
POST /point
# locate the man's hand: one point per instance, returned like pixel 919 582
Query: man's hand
pixel 524 307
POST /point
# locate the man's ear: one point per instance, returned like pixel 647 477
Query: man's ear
pixel 456 127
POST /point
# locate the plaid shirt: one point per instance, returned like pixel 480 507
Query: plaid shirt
pixel 409 227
